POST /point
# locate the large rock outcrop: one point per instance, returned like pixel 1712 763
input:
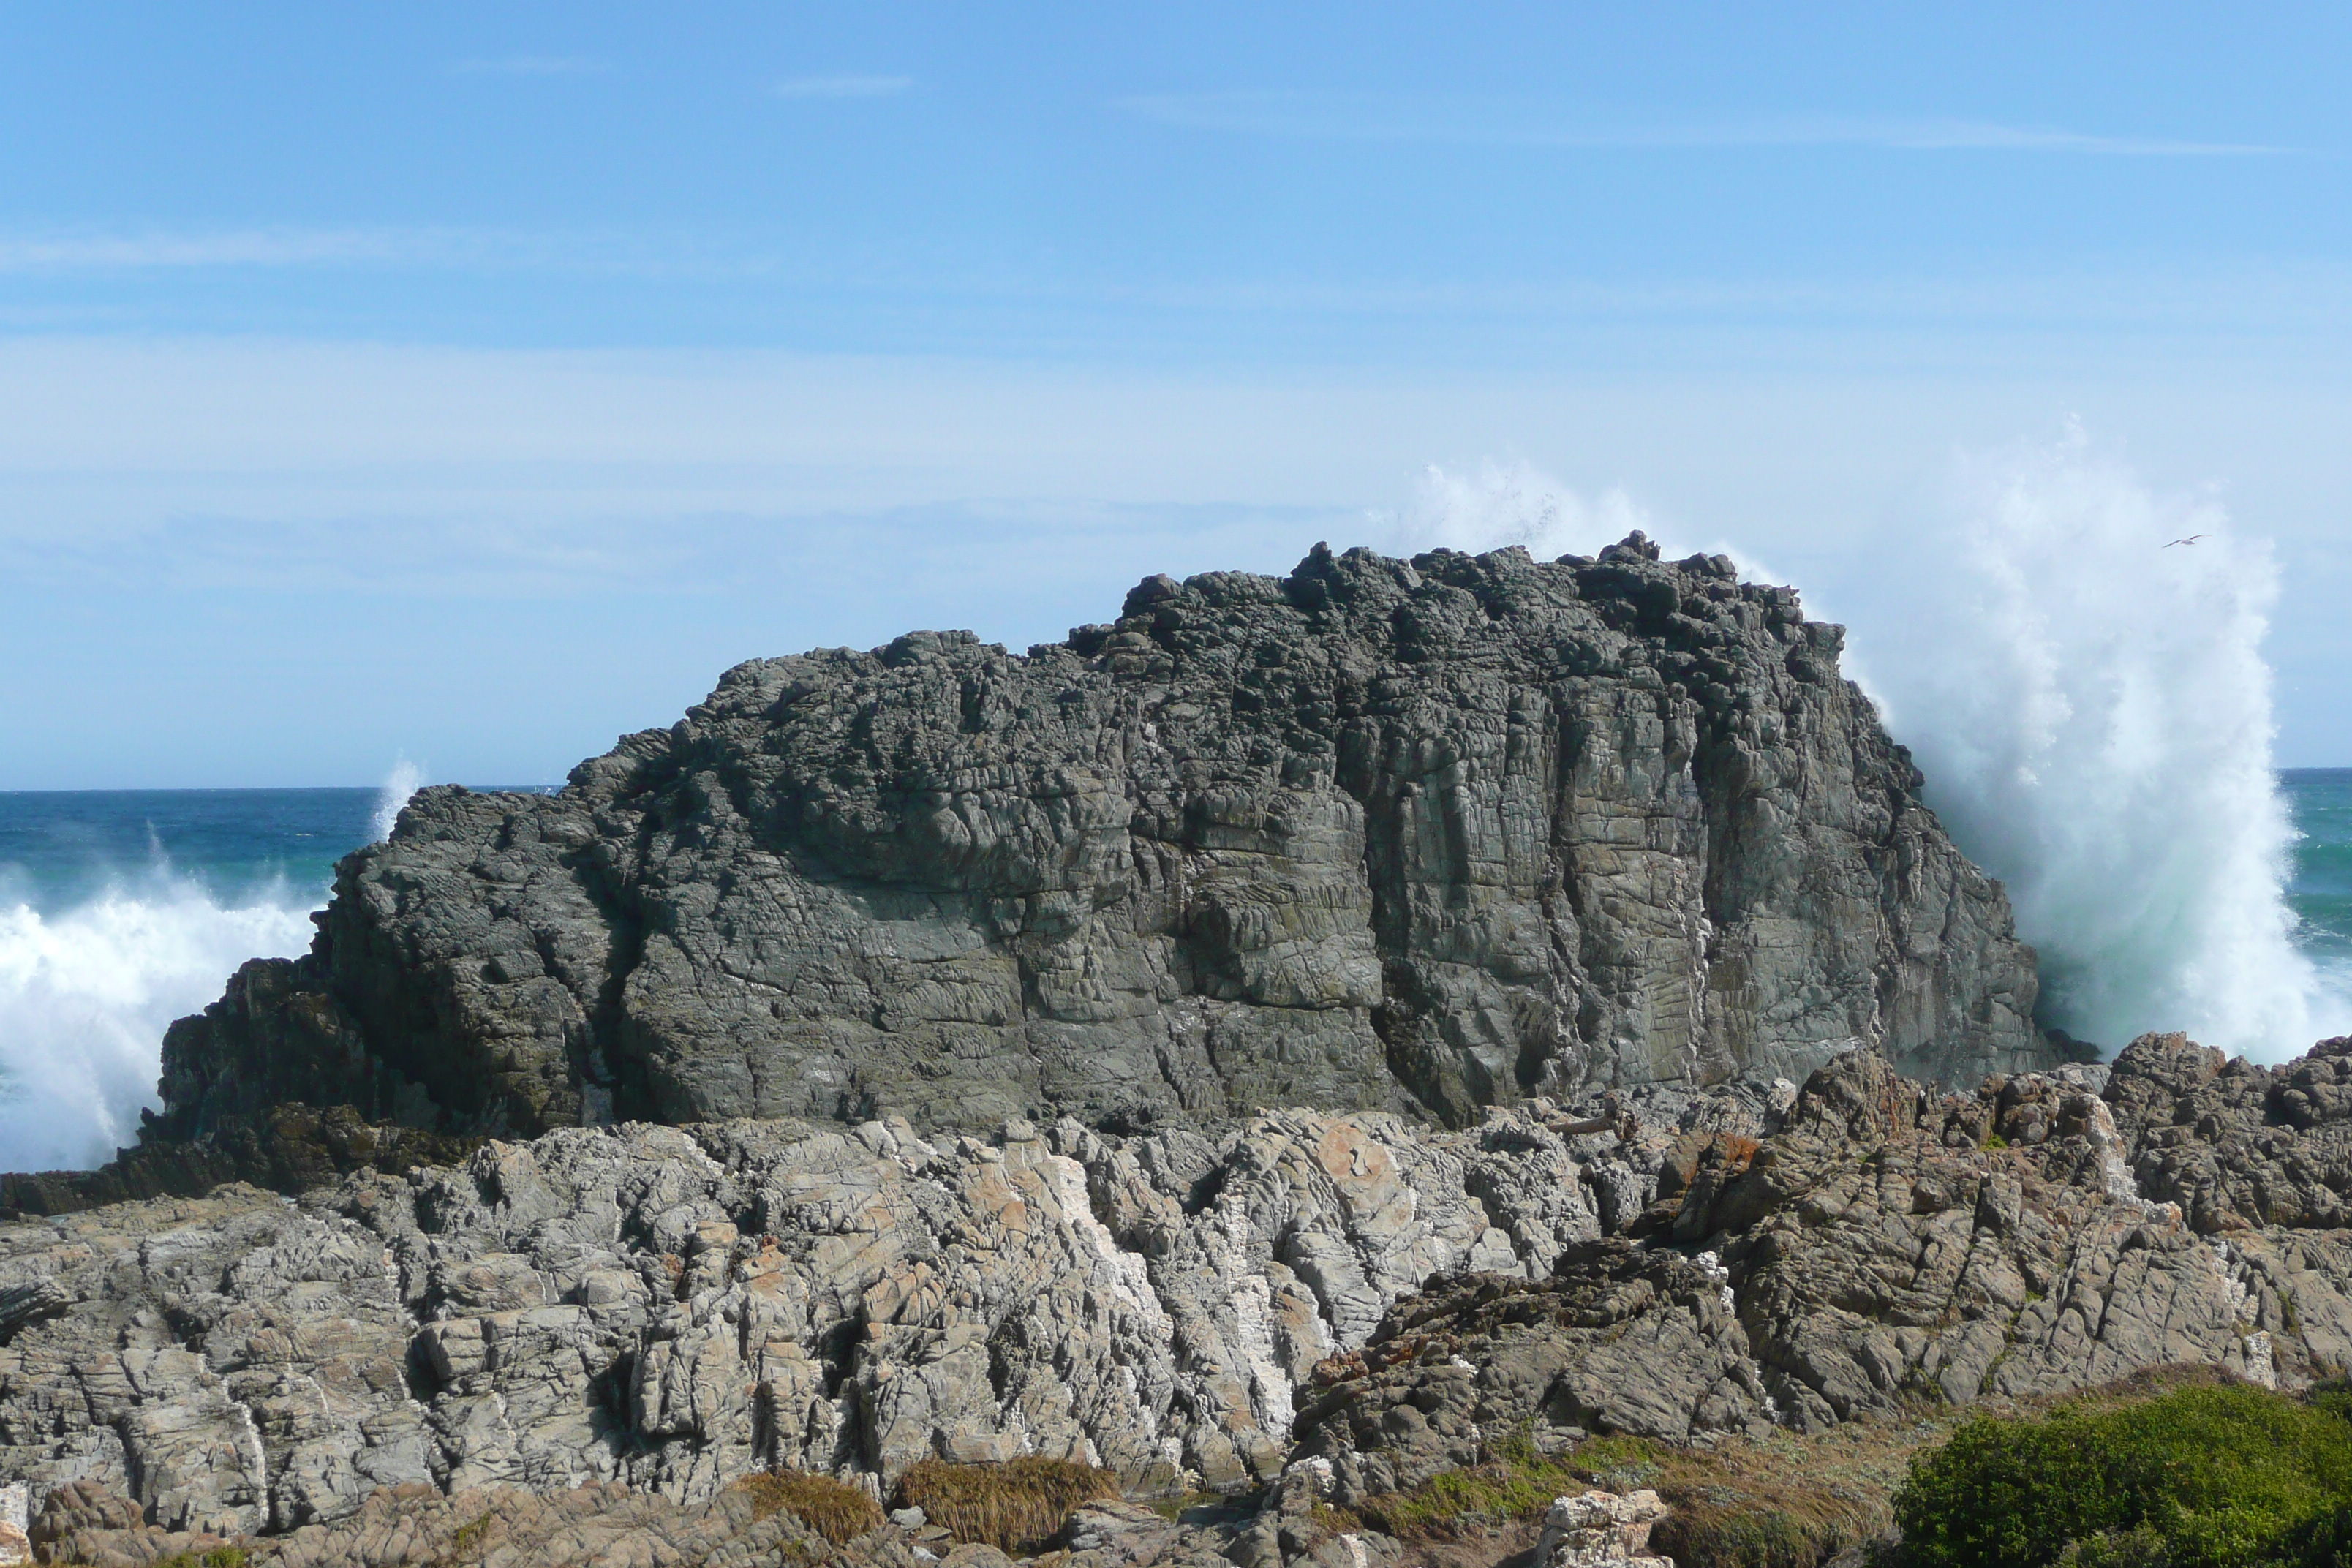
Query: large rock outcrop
pixel 1421 835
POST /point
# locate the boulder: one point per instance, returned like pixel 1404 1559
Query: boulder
pixel 1601 1530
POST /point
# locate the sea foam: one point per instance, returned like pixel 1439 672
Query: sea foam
pixel 87 990
pixel 404 780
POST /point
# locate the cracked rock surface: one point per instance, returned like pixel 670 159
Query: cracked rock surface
pixel 1881 1243
pixel 1352 1296
pixel 1424 835
pixel 672 1309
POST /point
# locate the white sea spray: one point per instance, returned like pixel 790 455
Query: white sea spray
pixel 404 780
pixel 86 994
pixel 2089 705
pixel 1504 504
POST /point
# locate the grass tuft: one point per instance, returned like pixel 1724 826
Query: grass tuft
pixel 834 1510
pixel 1515 1482
pixel 1017 1506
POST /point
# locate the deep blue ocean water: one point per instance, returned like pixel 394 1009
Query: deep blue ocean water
pixel 61 849
pixel 121 910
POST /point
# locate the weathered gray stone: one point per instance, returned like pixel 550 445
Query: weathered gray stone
pixel 674 1308
pixel 1619 1337
pixel 1324 1304
pixel 1869 1248
pixel 1383 834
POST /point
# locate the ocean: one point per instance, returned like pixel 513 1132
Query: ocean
pixel 2319 891
pixel 123 910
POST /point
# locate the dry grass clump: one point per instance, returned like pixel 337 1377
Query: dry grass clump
pixel 1784 1501
pixel 1016 1506
pixel 1516 1483
pixel 834 1510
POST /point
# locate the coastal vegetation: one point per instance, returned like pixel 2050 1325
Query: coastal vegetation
pixel 2225 1477
pixel 1015 1506
pixel 834 1509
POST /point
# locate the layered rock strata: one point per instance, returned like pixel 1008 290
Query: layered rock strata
pixel 1424 835
pixel 1346 1293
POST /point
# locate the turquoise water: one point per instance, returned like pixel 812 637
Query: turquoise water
pixel 2321 890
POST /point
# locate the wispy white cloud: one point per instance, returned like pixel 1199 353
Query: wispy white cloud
pixel 1337 117
pixel 2234 299
pixel 530 64
pixel 850 86
pixel 78 250
pixel 223 247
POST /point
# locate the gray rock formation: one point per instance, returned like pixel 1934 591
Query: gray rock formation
pixel 674 1308
pixel 1886 1245
pixel 1601 1530
pixel 415 1526
pixel 668 1309
pixel 1427 835
pixel 604 1524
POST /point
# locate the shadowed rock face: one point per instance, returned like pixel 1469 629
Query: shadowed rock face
pixel 1422 836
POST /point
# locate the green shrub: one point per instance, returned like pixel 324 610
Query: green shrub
pixel 2228 1476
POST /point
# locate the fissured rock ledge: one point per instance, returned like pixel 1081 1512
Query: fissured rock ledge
pixel 667 1308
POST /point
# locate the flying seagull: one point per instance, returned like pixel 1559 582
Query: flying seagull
pixel 2190 540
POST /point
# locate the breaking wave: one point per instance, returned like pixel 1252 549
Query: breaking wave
pixel 86 994
pixel 2090 703
pixel 2093 712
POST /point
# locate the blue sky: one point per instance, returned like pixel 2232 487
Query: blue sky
pixel 476 383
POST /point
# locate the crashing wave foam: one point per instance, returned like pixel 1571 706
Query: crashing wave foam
pixel 2091 705
pixel 2092 709
pixel 85 994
